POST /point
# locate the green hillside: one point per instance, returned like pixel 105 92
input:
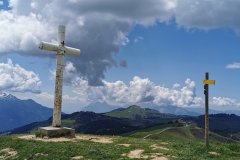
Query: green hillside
pixel 178 131
pixel 136 112
pixel 158 143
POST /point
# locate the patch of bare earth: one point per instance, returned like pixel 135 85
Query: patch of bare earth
pixel 77 158
pixel 137 154
pixel 125 145
pixel 214 153
pixel 7 153
pixel 155 147
pixel 159 158
pixel 98 139
pixel 45 139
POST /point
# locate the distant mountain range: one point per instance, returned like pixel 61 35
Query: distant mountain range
pixel 15 112
pixel 201 111
pixel 138 113
pixel 111 123
pixel 104 107
pixel 169 109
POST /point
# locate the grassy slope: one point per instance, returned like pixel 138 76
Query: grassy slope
pixel 186 144
pixel 181 147
pixel 90 150
pixel 182 132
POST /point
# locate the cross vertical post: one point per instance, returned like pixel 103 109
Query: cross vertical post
pixel 59 80
pixel 206 92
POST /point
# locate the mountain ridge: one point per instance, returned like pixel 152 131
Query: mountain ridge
pixel 15 112
pixel 97 123
pixel 137 112
pixel 103 107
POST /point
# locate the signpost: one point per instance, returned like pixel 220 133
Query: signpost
pixel 207 82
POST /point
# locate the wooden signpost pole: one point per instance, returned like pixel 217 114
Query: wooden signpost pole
pixel 206 83
pixel 206 111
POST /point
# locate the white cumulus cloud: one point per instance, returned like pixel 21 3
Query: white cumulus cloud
pixel 225 102
pixel 235 65
pixel 17 79
pixel 48 96
pixel 21 33
pixel 138 90
pixel 137 39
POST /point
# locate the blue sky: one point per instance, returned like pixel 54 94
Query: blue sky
pixel 169 54
pixel 161 49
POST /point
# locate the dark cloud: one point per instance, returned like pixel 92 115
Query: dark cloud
pixel 100 28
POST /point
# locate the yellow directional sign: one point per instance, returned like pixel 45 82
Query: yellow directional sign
pixel 209 82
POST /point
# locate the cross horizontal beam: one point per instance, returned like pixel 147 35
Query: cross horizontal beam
pixel 59 49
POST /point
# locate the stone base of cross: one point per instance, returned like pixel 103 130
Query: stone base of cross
pixel 56 130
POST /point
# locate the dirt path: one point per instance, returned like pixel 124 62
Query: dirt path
pixel 163 131
pixel 158 132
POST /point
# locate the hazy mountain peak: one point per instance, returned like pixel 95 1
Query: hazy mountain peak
pixel 99 107
pixel 135 106
pixel 2 94
pixel 15 112
pixel 5 96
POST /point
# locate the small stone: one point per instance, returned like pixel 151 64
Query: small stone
pixel 77 158
pixel 214 153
